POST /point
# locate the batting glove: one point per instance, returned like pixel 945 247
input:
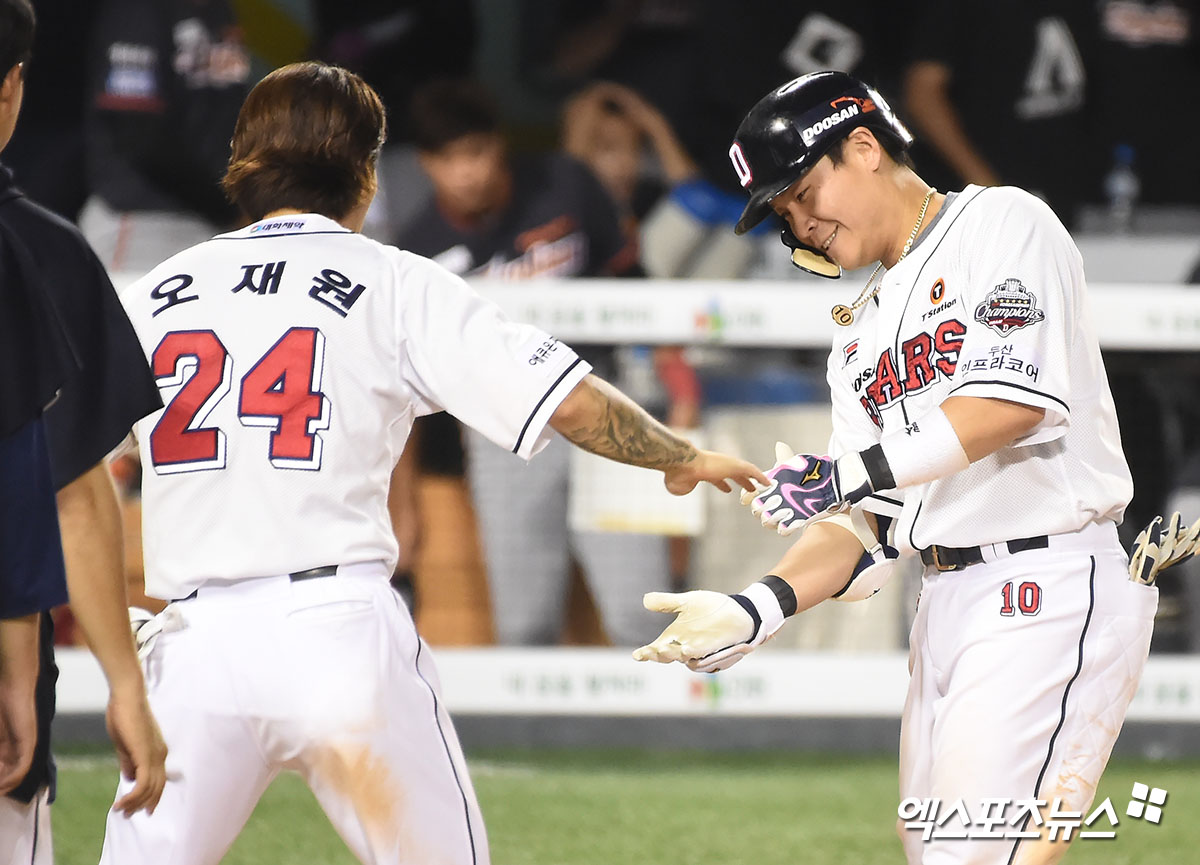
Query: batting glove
pixel 1158 548
pixel 147 627
pixel 804 487
pixel 713 631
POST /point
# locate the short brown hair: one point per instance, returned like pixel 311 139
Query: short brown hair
pixel 448 109
pixel 307 137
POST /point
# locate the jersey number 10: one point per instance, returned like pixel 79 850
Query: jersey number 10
pixel 1028 597
pixel 280 392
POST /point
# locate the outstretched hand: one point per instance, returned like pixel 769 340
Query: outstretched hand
pixel 711 630
pixel 714 468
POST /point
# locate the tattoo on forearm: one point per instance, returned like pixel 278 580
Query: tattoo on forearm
pixel 621 430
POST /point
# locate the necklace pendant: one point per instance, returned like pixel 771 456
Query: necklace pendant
pixel 842 315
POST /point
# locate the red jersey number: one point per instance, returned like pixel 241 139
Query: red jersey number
pixel 196 360
pixel 280 392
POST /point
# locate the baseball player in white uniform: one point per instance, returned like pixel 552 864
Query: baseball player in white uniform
pixel 973 426
pixel 293 356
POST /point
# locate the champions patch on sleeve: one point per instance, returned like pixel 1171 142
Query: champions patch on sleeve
pixel 1009 307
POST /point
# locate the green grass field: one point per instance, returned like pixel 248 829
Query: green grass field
pixel 602 807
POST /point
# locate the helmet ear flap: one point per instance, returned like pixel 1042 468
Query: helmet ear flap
pixel 808 258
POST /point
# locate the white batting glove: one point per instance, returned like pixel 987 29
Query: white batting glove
pixel 1158 548
pixel 145 630
pixel 713 631
pixel 146 627
pixel 705 622
pixel 722 660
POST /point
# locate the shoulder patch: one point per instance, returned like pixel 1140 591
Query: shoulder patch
pixel 1008 307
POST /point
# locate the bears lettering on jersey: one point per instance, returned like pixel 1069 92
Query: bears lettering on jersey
pixel 924 358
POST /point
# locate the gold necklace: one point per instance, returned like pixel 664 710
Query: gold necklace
pixel 844 315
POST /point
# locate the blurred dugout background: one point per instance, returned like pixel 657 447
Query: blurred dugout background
pixel 130 105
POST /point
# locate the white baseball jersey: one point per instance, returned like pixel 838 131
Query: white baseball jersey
pixel 991 302
pixel 292 357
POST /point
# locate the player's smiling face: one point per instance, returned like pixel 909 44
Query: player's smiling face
pixel 832 207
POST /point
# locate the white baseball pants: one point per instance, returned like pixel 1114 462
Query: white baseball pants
pixel 25 831
pixel 326 677
pixel 1020 693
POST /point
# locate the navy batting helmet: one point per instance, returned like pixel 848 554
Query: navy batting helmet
pixel 793 126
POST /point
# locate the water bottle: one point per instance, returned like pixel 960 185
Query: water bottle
pixel 1122 188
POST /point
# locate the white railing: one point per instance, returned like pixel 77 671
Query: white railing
pixel 607 682
pixel 789 314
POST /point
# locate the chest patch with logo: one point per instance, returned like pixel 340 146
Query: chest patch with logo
pixel 1008 307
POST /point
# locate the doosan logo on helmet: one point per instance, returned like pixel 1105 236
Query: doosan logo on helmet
pixel 855 107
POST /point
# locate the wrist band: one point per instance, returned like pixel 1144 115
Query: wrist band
pixel 784 593
pixel 768 602
pixel 925 450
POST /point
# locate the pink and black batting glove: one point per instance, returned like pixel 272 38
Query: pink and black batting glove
pixel 806 486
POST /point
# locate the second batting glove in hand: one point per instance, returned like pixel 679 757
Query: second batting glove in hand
pixel 804 486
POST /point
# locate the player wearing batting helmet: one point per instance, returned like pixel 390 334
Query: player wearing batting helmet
pixel 973 429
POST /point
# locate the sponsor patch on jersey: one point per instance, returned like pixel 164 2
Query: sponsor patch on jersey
pixel 937 292
pixel 1009 306
pixel 850 352
pixel 281 225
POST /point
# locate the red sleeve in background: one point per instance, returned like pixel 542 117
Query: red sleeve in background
pixel 677 375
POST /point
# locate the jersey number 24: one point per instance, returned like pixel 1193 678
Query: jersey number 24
pixel 280 392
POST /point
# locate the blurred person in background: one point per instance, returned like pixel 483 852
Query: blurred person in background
pixel 396 46
pixel 614 132
pixel 647 45
pixel 989 85
pixel 1147 54
pixel 498 216
pixel 165 81
pixel 47 152
pixel 55 477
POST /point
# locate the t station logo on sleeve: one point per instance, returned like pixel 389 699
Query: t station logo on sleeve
pixel 1008 307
